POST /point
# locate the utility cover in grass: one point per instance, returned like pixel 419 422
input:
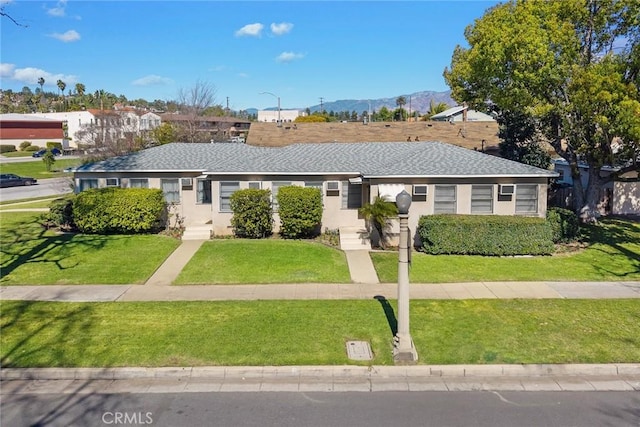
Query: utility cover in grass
pixel 359 350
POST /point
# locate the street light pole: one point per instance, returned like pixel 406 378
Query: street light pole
pixel 276 96
pixel 404 351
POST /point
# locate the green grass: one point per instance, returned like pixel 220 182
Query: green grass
pixel 18 154
pixel 37 169
pixel 40 334
pixel 265 261
pixel 30 255
pixel 37 202
pixel 613 254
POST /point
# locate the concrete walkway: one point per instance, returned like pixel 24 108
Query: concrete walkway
pixel 365 286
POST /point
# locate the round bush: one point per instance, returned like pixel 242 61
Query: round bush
pixel 564 224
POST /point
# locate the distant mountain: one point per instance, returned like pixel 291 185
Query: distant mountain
pixel 420 101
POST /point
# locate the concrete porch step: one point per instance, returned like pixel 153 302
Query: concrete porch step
pixel 197 232
pixel 354 238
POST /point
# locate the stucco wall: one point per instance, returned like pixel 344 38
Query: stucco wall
pixel 626 198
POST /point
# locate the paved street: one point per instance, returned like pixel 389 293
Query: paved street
pixel 44 187
pixel 353 409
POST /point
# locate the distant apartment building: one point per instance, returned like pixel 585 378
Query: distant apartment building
pixel 286 116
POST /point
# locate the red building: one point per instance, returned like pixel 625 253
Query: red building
pixel 16 128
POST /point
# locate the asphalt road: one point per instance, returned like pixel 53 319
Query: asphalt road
pixel 44 187
pixel 353 409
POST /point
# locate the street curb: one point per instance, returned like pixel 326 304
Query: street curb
pixel 630 370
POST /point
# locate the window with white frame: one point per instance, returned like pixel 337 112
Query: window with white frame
pixel 227 188
pixel 444 199
pixel 527 198
pixel 171 189
pixel 255 185
pixel 203 193
pixel 313 184
pixel 481 199
pixel 86 184
pixel 275 186
pixel 138 183
pixel 113 182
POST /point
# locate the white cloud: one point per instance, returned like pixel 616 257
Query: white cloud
pixel 282 28
pixel 58 10
pixel 289 56
pixel 6 70
pixel 152 80
pixel 253 30
pixel 30 75
pixel 69 36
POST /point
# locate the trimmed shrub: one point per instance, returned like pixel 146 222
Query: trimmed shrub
pixel 32 148
pixel 491 235
pixel 60 214
pixel 7 148
pixel 252 213
pixel 300 210
pixel 24 144
pixel 52 144
pixel 119 210
pixel 564 223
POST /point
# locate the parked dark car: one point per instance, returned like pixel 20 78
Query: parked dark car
pixel 11 180
pixel 40 153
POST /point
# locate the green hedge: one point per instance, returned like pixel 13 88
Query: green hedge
pixel 119 210
pixel 60 213
pixel 32 148
pixel 300 210
pixel 7 148
pixel 564 223
pixel 491 235
pixel 252 213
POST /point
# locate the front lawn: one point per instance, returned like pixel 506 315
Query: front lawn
pixel 613 254
pixel 36 169
pixel 41 334
pixel 31 255
pixel 265 261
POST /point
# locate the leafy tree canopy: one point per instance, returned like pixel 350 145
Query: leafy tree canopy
pixel 571 66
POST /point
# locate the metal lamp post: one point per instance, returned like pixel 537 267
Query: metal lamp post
pixel 404 351
pixel 276 96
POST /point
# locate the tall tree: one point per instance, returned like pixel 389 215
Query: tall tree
pixel 62 86
pixel 41 83
pixel 401 101
pixel 572 67
pixel 193 102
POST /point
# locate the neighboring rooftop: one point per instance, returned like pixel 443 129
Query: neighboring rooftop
pixel 367 159
pixel 469 135
pixel 25 118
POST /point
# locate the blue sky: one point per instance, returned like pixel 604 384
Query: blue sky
pixel 300 51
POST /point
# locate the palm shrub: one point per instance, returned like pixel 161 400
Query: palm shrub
pixel 378 216
pixel 252 213
pixel 300 210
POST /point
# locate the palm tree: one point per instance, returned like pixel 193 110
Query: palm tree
pixel 62 86
pixel 80 89
pixel 377 215
pixel 401 101
pixel 41 83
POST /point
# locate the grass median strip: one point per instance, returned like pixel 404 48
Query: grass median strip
pixel 613 254
pixel 265 261
pixel 36 169
pixel 31 255
pixel 42 334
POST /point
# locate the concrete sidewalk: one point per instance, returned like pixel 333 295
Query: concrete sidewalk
pixel 579 377
pixel 323 291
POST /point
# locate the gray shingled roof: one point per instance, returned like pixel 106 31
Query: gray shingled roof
pixel 369 159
